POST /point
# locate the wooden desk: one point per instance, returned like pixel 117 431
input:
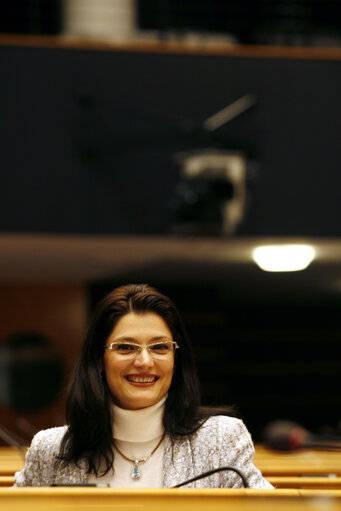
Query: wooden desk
pixel 315 483
pixel 307 483
pixel 6 481
pixel 11 460
pixel 86 499
pixel 297 463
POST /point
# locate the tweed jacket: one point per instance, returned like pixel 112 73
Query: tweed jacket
pixel 220 441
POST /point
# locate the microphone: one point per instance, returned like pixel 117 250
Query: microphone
pixel 289 436
pixel 87 485
pixel 210 472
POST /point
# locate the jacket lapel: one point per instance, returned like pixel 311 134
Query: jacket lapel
pixel 177 464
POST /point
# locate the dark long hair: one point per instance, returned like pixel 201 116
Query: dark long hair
pixel 88 406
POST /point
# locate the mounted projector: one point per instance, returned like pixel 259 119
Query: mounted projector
pixel 211 194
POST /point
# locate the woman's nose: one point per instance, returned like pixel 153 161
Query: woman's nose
pixel 143 358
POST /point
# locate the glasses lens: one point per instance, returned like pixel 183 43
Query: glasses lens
pixel 130 350
pixel 160 349
pixel 125 348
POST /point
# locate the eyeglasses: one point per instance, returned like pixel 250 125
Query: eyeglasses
pixel 130 350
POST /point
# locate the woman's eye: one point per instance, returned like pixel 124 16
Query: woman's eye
pixel 162 346
pixel 125 347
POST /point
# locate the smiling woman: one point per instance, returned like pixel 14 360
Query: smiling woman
pixel 138 378
pixel 133 408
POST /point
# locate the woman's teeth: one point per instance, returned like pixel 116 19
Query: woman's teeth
pixel 141 379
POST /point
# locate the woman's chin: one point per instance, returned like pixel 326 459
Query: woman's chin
pixel 143 400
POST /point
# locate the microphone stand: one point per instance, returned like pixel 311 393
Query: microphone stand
pixel 210 472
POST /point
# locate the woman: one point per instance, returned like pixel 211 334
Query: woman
pixel 133 408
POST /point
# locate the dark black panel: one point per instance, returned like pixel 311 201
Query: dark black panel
pixel 89 138
pixel 250 21
pixel 31 16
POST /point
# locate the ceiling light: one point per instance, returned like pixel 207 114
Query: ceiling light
pixel 278 258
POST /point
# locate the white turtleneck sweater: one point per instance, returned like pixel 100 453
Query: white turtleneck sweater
pixel 136 434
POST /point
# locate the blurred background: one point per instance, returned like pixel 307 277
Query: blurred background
pixel 163 142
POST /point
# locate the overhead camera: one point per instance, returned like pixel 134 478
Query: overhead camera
pixel 210 196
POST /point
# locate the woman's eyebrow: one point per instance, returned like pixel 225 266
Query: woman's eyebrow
pixel 132 339
pixel 160 337
pixel 125 338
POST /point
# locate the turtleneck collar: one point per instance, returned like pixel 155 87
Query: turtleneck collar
pixel 139 425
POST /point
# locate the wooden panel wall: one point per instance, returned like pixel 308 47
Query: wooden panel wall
pixel 57 312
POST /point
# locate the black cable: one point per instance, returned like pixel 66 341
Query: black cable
pixel 210 472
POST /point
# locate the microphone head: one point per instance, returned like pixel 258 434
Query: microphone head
pixel 285 436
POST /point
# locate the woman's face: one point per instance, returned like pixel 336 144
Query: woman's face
pixel 141 381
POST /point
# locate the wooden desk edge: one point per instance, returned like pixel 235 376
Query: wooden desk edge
pixel 150 492
pixel 165 492
pixel 172 47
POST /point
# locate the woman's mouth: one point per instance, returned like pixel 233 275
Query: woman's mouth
pixel 139 379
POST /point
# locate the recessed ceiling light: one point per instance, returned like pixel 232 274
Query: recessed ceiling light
pixel 280 258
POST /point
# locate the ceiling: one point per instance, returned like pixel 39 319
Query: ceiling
pixel 196 261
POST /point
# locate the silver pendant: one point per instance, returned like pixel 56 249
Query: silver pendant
pixel 136 474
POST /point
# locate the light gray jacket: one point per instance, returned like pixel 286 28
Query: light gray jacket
pixel 221 441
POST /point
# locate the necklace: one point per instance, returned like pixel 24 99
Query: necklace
pixel 136 472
